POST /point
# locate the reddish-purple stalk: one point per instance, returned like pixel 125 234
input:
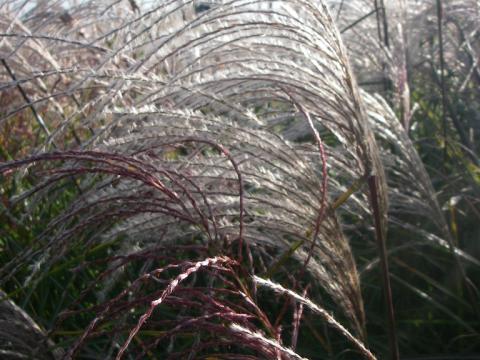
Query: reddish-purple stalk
pixel 227 154
pixel 133 168
pixel 111 302
pixel 297 318
pixel 168 291
pixel 200 322
pixel 204 198
pixel 122 260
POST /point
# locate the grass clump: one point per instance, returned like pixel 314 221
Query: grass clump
pixel 192 179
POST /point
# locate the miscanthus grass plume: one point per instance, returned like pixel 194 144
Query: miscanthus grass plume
pixel 160 160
